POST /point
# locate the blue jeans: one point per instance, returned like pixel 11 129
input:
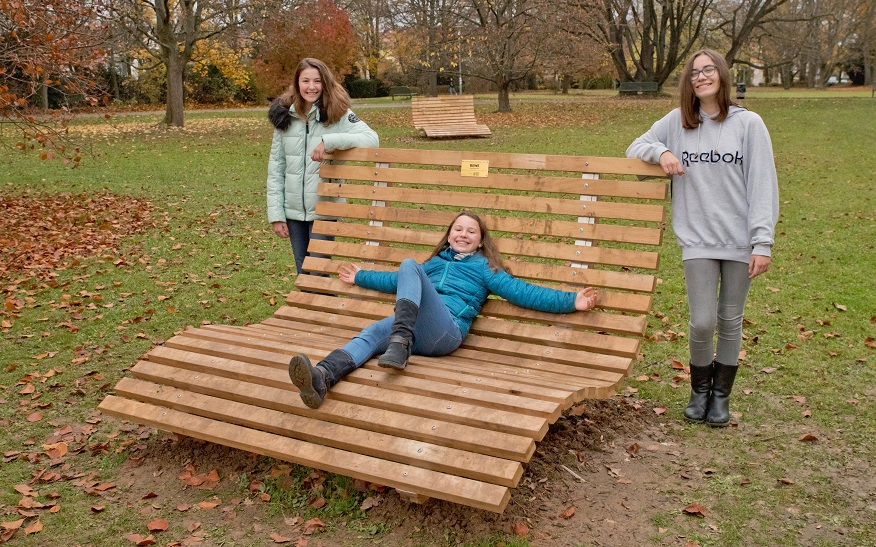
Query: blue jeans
pixel 435 331
pixel 300 234
pixel 711 307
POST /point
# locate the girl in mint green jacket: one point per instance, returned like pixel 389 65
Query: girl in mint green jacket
pixel 311 118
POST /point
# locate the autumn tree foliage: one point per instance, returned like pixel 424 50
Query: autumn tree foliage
pixel 47 44
pixel 315 29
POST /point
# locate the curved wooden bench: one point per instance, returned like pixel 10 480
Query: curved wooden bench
pixel 447 116
pixel 459 427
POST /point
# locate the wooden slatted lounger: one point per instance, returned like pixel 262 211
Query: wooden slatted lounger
pixel 460 427
pixel 450 116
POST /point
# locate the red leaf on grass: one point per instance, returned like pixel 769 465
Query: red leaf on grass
pixel 695 509
pixel 34 528
pixel 157 525
pixel 807 438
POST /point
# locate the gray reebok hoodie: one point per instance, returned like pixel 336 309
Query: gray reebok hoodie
pixel 726 204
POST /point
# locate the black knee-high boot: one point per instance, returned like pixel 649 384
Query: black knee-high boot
pixel 313 382
pixel 402 337
pixel 700 389
pixel 719 401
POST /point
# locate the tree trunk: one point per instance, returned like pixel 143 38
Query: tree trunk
pixel 504 97
pixel 44 94
pixel 567 83
pixel 175 113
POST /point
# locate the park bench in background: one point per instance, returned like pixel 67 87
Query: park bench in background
pixel 447 116
pixel 634 88
pixel 459 427
pixel 402 91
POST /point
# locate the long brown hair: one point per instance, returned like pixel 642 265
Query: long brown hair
pixel 690 103
pixel 488 247
pixel 332 104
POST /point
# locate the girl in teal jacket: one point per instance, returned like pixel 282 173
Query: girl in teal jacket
pixel 436 303
pixel 312 118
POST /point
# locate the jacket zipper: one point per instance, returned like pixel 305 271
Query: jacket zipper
pixel 304 171
pixel 444 275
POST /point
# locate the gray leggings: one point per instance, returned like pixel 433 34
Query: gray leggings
pixel 703 277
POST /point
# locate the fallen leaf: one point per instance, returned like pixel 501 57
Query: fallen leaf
pixel 157 525
pixel 695 509
pixel 34 528
pixel 55 451
pixel 312 526
pixel 26 490
pixel 785 480
pixel 369 502
pixel 14 525
pixel 521 529
pixel 280 539
pixel 569 512
pixel 317 503
pixel 808 438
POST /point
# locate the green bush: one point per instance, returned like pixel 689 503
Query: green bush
pixel 363 89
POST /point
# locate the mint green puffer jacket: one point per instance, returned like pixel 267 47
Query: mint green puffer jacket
pixel 292 175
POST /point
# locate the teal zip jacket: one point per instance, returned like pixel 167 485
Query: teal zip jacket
pixel 292 176
pixel 464 285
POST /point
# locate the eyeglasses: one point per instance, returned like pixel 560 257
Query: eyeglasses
pixel 707 71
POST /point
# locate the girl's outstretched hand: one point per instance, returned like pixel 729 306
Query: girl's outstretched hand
pixel 347 272
pixel 586 299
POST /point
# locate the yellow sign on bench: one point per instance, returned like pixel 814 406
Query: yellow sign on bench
pixel 475 168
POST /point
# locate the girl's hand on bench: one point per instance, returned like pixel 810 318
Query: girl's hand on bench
pixel 347 272
pixel 586 299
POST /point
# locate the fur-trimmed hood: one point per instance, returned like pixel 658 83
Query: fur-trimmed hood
pixel 281 116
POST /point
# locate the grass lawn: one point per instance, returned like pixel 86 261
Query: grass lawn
pixel 200 250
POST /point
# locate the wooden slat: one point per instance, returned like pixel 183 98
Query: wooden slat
pixel 506 246
pixel 218 377
pixel 513 225
pixel 430 456
pixel 384 397
pixel 459 373
pixel 477 368
pixel 611 301
pixel 624 281
pixel 473 200
pixel 547 162
pixel 596 321
pixel 422 481
pixel 511 182
pixel 386 379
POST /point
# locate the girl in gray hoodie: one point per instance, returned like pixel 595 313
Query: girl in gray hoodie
pixel 725 205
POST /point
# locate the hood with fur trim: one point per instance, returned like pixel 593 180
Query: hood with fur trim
pixel 281 116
